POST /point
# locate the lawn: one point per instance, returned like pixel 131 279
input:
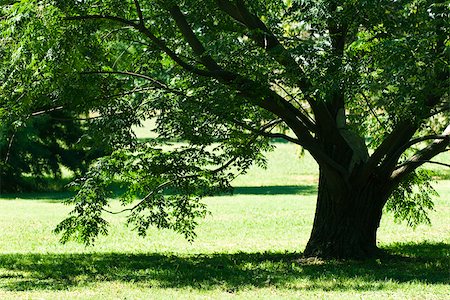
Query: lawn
pixel 248 248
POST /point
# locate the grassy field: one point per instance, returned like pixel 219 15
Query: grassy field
pixel 248 248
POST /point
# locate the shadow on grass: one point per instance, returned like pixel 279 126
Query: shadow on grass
pixel 117 190
pixel 276 190
pixel 50 196
pixel 426 263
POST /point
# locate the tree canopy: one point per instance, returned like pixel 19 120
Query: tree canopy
pixel 361 85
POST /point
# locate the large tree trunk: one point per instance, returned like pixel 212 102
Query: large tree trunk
pixel 346 223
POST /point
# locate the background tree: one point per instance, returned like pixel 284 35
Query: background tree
pixel 361 85
pixel 45 124
pixel 35 150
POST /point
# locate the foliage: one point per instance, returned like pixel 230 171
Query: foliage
pixel 39 146
pixel 224 77
pixel 45 122
pixel 412 199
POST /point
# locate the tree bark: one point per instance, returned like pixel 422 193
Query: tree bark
pixel 346 223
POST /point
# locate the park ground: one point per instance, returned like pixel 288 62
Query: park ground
pixel 249 247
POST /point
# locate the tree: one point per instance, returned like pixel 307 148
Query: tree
pixel 361 85
pixel 38 136
pixel 37 148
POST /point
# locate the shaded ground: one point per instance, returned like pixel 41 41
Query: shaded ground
pixel 426 263
pixel 239 190
pixel 276 190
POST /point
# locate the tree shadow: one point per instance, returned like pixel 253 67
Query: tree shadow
pixel 118 190
pixel 425 262
pixel 50 196
pixel 276 190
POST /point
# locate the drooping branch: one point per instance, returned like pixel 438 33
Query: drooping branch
pixel 143 200
pixel 167 183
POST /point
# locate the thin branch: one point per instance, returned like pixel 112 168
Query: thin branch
pixel 151 79
pixel 143 200
pixel 143 29
pixel 309 122
pixel 422 161
pixel 8 153
pixel 271 124
pixel 373 111
pixel 46 111
pixel 262 132
pixel 169 182
pixel 422 139
pixel 422 156
pixel 139 12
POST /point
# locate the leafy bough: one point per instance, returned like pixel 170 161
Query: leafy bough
pixel 156 187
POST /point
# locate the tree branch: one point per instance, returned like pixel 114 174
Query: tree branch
pixel 144 30
pixel 372 111
pixel 261 131
pixel 156 82
pixel 139 12
pixel 401 134
pixel 271 101
pixel 423 162
pixel 264 38
pixel 307 120
pixel 143 200
pixel 169 182
pixel 422 156
pixel 242 84
pixel 192 40
pixel 41 112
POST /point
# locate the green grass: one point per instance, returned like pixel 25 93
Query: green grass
pixel 249 247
